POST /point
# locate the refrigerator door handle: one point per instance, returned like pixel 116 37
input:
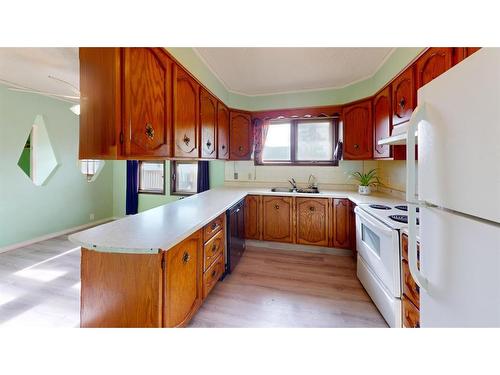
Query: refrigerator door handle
pixel 411 173
pixel 420 279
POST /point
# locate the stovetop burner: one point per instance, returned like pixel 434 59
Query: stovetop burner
pixel 380 207
pixel 402 219
pixel 404 208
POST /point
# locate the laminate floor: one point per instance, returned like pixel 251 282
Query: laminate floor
pixel 40 287
pixel 279 288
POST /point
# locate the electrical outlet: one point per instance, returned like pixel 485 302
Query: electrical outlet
pixel 91 217
pixel 235 175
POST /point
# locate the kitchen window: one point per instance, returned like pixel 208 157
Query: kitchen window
pixel 184 180
pixel 300 142
pixel 152 177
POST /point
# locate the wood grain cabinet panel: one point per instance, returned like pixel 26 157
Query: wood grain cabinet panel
pixel 120 290
pixel 222 131
pixel 240 135
pixel 213 248
pixel 433 63
pixel 403 97
pixel 100 107
pixel 208 116
pixel 214 226
pixel 147 96
pixel 183 281
pixel 277 219
pixel 341 223
pixel 312 221
pixel 358 131
pixel 212 276
pixel 352 227
pixel 411 315
pixel 382 122
pixel 186 114
pixel 410 287
pixel 253 217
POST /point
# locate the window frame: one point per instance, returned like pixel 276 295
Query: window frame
pixel 173 186
pixel 335 124
pixel 152 192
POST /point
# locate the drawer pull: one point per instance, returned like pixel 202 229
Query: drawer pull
pixel 277 207
pixel 213 226
pixel 209 143
pixel 186 257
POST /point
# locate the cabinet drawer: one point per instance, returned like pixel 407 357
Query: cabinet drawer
pixel 411 315
pixel 212 249
pixel 213 227
pixel 410 287
pixel 212 275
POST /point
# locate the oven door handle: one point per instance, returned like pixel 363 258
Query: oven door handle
pixel 372 222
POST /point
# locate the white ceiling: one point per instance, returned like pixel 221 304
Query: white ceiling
pixel 261 71
pixel 30 67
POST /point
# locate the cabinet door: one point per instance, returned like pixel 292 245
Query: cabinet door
pixel 341 224
pixel 312 221
pixel 382 122
pixel 277 219
pixel 240 136
pixel 433 63
pixel 222 131
pixel 147 96
pixel 208 116
pixel 100 113
pixel 186 109
pixel 358 131
pixel 403 97
pixel 183 280
pixel 352 227
pixel 253 217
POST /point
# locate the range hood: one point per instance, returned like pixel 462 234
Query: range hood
pixel 399 134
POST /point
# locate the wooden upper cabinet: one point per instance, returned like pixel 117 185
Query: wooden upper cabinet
pixel 433 63
pixel 312 221
pixel 277 219
pixel 100 106
pixel 186 114
pixel 382 122
pixel 358 131
pixel 183 281
pixel 253 217
pixel 460 53
pixel 147 94
pixel 222 131
pixel 240 135
pixel 208 116
pixel 341 223
pixel 403 97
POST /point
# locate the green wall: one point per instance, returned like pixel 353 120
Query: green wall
pixel 392 66
pixel 66 199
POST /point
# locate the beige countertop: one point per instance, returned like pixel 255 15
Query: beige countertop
pixel 162 227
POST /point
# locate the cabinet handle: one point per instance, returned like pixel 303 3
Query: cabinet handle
pixel 402 103
pixel 186 139
pixel 223 147
pixel 276 206
pixel 186 257
pixel 150 132
pixel 209 143
pixel 240 148
pixel 356 146
pixel 312 208
pixel 214 272
pixel 213 226
pixel 214 247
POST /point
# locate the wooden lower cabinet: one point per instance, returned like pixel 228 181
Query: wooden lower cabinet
pixel 312 220
pixel 411 292
pixel 253 216
pixel 277 216
pixel 341 224
pixel 183 281
pixel 212 275
pixel 411 315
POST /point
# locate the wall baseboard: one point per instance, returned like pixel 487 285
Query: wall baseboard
pixel 55 234
pixel 296 247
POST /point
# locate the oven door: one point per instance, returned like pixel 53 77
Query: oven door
pixel 378 245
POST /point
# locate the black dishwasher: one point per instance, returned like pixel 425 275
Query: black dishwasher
pixel 235 221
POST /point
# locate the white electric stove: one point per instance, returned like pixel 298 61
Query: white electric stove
pixel 379 258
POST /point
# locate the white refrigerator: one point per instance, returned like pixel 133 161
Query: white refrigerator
pixel 458 192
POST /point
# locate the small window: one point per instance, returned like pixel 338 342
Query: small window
pixel 152 177
pixel 91 168
pixel 301 141
pixel 184 177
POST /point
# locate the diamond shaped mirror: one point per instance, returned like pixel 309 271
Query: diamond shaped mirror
pixel 37 159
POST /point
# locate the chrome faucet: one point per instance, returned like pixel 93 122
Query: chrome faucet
pixel 293 183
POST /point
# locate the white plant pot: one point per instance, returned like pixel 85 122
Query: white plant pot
pixel 364 190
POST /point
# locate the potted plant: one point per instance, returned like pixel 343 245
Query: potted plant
pixel 366 181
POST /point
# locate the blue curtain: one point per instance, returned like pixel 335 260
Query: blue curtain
pixel 132 187
pixel 203 177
